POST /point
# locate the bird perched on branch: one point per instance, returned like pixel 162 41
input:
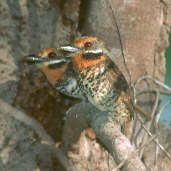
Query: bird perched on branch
pixel 85 69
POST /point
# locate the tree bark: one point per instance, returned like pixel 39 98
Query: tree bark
pixel 137 29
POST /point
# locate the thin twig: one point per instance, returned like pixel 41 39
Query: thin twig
pixel 151 117
pixel 154 80
pixel 155 107
pixel 120 165
pixel 133 129
pixel 160 146
pixel 136 136
pixel 168 145
pixel 120 41
pixel 151 90
pixel 156 152
pixel 141 111
pixel 161 110
pixel 169 124
pixel 149 126
pixel 151 78
pixel 157 116
pixel 165 128
pixel 147 143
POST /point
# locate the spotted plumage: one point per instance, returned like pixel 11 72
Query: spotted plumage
pixel 85 70
pixel 100 79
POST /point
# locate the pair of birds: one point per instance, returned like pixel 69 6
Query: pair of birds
pixel 86 71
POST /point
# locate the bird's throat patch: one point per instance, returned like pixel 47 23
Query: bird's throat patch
pixel 81 63
pixel 53 75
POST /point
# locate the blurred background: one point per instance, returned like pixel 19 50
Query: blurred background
pixel 166 116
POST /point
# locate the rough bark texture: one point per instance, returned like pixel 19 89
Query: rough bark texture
pixel 26 26
pixel 109 134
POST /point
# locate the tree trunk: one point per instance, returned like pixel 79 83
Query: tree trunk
pixel 134 30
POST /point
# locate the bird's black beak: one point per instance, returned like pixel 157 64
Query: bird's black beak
pixel 62 55
pixel 69 49
pixel 33 59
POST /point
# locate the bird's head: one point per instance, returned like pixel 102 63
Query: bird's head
pixel 91 51
pixel 51 62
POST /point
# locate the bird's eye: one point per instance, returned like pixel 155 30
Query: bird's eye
pixel 87 45
pixel 52 55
